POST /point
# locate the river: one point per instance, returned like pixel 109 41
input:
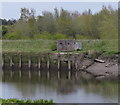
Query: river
pixel 61 86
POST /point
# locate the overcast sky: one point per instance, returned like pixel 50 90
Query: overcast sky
pixel 11 10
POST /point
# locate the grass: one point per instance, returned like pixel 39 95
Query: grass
pixel 28 46
pixel 46 46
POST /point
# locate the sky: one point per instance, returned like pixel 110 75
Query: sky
pixel 11 10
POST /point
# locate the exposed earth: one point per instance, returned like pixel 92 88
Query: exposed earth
pixel 104 70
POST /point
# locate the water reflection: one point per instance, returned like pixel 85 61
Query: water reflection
pixel 61 86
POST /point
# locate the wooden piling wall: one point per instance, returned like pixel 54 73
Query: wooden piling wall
pixel 38 60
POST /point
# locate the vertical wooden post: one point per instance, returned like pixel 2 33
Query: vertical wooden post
pixel 48 62
pixel 76 63
pixel 69 64
pixel 29 62
pixel 11 61
pixel 3 61
pixel 20 60
pixel 58 64
pixel 39 62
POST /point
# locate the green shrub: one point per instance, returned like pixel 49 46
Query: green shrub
pixel 82 37
pixel 54 46
pixel 14 36
pixel 4 30
pixel 44 35
pixel 28 101
pixel 60 36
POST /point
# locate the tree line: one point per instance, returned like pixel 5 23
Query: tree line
pixel 63 24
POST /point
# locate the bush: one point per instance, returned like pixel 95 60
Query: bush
pixel 13 100
pixel 14 36
pixel 44 35
pixel 60 36
pixel 4 30
pixel 54 46
pixel 82 37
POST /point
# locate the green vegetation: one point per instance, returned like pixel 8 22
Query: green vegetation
pixel 63 25
pixel 36 46
pixel 41 101
pixel 30 33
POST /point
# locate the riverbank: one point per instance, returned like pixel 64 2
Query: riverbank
pixel 98 64
pixel 85 59
pixel 107 69
pixel 49 46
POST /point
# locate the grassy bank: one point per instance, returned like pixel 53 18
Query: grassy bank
pixel 37 46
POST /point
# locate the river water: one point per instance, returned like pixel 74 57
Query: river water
pixel 61 86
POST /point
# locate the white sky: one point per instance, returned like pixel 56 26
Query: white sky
pixel 11 10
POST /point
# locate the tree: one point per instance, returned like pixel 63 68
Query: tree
pixel 4 30
pixel 108 23
pixel 65 23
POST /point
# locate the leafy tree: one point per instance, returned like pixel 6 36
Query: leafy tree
pixel 4 30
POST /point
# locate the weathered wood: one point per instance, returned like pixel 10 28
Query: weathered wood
pixel 20 61
pixel 76 65
pixel 39 62
pixel 48 63
pixel 99 60
pixel 29 62
pixel 69 64
pixel 11 61
pixel 3 61
pixel 58 58
pixel 59 64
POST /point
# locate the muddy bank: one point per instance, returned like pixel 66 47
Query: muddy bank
pixel 107 69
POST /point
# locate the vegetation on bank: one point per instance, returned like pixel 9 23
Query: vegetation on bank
pixel 30 33
pixel 27 101
pixel 50 46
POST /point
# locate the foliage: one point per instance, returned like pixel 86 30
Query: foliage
pixel 14 36
pixel 27 101
pixel 66 25
pixel 4 30
pixel 44 35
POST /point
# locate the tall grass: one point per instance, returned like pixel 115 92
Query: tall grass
pixel 110 46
